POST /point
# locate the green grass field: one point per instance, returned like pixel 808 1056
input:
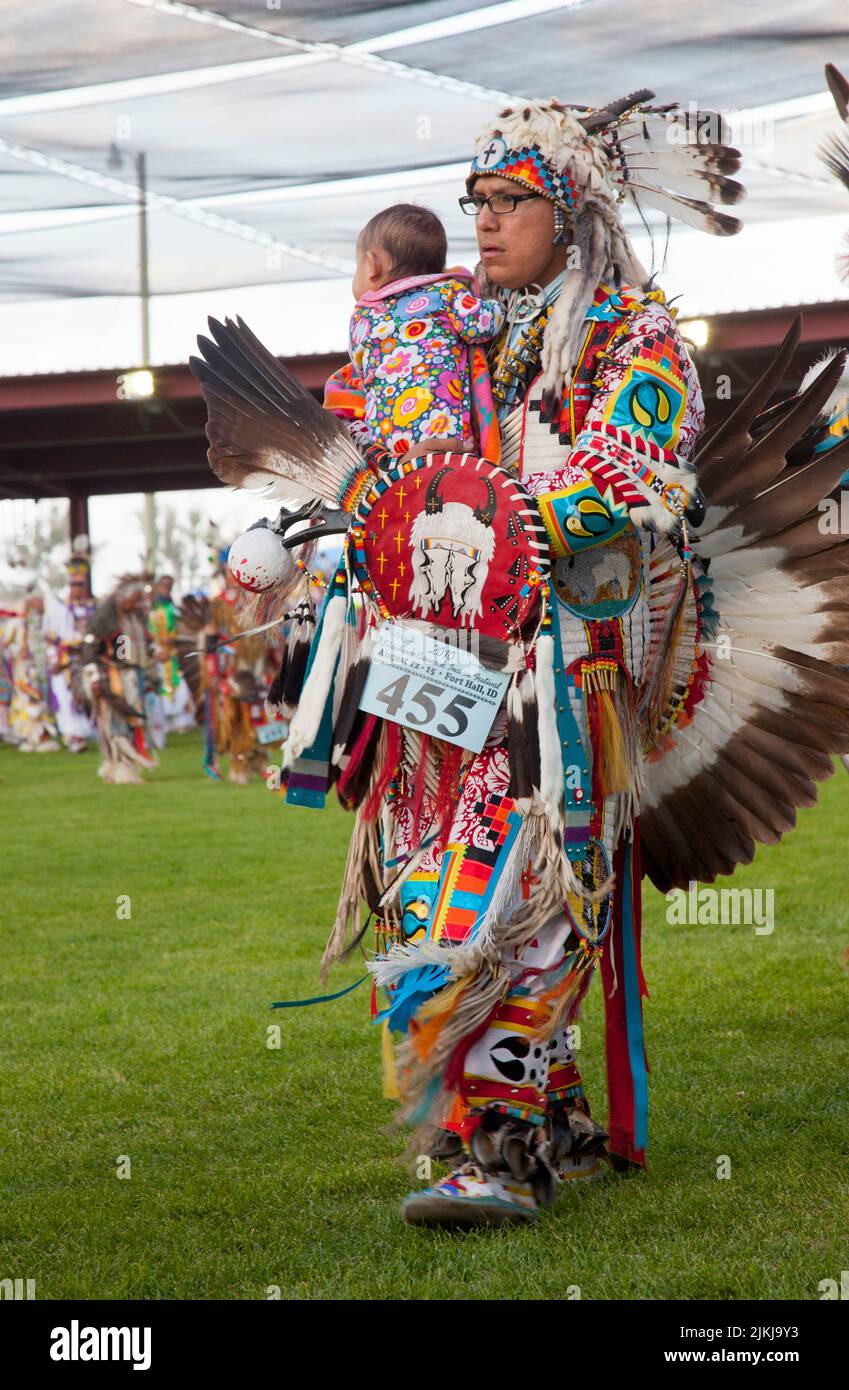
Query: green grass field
pixel 251 1167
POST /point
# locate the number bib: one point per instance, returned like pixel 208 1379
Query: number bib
pixel 274 731
pixel 437 687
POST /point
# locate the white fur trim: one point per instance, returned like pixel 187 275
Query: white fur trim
pixel 460 960
pixel 550 756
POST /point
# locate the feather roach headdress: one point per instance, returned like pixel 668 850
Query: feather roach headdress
pixel 588 162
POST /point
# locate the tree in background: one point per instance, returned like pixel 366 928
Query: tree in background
pixel 42 555
pixel 183 546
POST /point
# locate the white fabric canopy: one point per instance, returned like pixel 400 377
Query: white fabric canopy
pixel 273 132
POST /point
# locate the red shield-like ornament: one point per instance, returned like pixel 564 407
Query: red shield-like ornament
pixel 454 540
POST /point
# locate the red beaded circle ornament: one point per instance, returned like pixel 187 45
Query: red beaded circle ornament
pixel 454 540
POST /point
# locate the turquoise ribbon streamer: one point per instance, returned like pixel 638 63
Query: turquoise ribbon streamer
pixel 319 998
pixel 314 762
pixel 633 1010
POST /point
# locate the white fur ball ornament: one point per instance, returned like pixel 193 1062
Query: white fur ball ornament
pixel 257 560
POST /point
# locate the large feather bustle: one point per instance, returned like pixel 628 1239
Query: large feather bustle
pixel 834 152
pixel 839 88
pixel 776 705
pixel 833 410
pixel 733 435
pixel 761 461
pixel 266 432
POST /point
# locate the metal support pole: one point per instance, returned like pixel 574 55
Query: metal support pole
pixel 78 516
pixel 144 284
pixel 151 533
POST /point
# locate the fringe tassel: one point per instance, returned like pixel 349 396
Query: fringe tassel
pixel 662 662
pixel 421 778
pixel 354 781
pixel 274 698
pixel 469 1007
pixel 565 997
pixel 285 691
pixel 296 666
pixel 628 804
pixel 307 718
pixel 348 719
pixel 614 772
pixel 523 737
pixel 432 1017
pixel 446 792
pixel 389 757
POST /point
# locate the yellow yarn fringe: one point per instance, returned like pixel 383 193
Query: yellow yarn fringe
pixel 614 769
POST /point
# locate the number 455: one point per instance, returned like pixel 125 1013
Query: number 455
pixel 397 698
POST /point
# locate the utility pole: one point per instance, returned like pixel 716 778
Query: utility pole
pixel 151 531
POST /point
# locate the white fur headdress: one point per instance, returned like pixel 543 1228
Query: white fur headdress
pixel 587 162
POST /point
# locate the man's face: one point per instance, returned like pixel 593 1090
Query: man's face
pixel 516 247
pixel 134 600
pixel 78 590
pixel 164 587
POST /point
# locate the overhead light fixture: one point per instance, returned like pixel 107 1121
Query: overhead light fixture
pixel 697 331
pixel 137 385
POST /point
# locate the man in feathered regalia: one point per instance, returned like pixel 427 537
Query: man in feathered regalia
pixel 66 621
pixel 174 689
pixel 655 683
pixel 113 672
pixel 31 725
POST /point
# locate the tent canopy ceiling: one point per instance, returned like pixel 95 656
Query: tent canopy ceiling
pixel 273 130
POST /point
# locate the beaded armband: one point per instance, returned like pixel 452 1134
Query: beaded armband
pixel 616 458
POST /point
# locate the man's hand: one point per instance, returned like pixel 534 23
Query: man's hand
pixel 433 446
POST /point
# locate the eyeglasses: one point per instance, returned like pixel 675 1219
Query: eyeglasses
pixel 499 203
